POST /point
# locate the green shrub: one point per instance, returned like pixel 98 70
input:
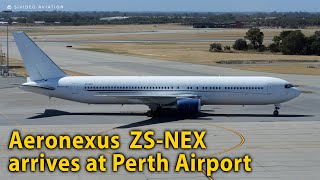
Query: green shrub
pixel 273 47
pixel 255 36
pixel 240 44
pixel 215 47
pixel 294 43
pixel 227 48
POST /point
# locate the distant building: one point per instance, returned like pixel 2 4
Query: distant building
pixel 39 22
pixel 270 18
pixel 16 18
pixel 113 18
pixel 236 24
pixel 3 22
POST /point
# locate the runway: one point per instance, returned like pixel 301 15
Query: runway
pixel 284 147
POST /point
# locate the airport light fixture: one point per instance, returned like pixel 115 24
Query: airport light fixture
pixel 7 64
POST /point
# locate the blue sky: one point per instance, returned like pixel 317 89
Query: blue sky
pixel 171 5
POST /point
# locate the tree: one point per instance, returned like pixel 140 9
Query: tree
pixel 22 20
pixel 284 34
pixel 240 44
pixel 277 39
pixel 315 46
pixel 215 47
pixel 274 47
pixel 294 43
pixel 10 21
pixel 309 46
pixel 314 43
pixel 255 36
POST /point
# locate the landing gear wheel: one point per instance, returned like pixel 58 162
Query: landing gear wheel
pixel 276 108
pixel 154 111
pixel 150 113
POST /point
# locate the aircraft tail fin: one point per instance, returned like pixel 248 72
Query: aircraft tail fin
pixel 38 65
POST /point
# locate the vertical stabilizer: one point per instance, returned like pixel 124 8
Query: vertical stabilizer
pixel 38 65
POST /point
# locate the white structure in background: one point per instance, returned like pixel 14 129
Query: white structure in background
pixel 113 18
pixel 39 22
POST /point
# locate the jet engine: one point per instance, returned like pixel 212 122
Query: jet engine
pixel 189 105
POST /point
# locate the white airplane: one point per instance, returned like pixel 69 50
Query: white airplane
pixel 184 93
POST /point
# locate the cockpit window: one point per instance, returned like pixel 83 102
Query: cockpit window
pixel 289 86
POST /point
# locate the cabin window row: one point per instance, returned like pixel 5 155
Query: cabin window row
pixel 203 87
pixel 97 87
pixel 243 88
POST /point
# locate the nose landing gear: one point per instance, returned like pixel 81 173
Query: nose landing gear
pixel 276 108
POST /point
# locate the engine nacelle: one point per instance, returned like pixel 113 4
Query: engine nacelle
pixel 189 105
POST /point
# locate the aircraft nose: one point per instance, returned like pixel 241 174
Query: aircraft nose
pixel 296 92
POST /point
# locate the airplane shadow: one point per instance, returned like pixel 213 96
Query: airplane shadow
pixel 202 116
pixel 168 116
pixel 165 117
pixel 260 115
pixel 54 113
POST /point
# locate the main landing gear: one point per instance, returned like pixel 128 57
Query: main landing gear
pixel 150 113
pixel 276 108
pixel 154 111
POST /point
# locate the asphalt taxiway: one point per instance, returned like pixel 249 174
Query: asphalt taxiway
pixel 284 147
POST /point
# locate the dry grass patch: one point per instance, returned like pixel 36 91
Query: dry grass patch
pixel 281 68
pixel 187 52
pixel 220 34
pixel 198 53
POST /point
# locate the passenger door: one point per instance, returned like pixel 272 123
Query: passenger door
pixel 269 89
pixel 75 89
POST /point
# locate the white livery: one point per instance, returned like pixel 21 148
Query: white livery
pixel 185 93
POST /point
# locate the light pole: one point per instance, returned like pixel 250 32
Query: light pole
pixel 7 65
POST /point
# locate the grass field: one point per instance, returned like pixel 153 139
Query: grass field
pixel 219 34
pixel 198 53
pixel 191 52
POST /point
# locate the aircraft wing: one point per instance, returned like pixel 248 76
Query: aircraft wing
pixel 152 99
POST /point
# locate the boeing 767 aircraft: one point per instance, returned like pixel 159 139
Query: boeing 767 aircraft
pixel 184 93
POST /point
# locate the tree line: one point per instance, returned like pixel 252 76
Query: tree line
pixel 292 42
pixel 274 19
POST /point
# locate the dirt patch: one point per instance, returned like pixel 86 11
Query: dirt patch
pixel 265 61
pixel 290 68
pixel 314 66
